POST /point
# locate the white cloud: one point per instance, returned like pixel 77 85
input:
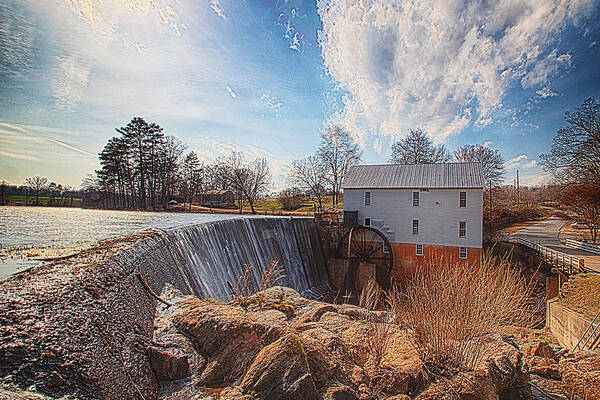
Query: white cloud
pixel 290 32
pixel 519 162
pixel 18 156
pixel 534 179
pixel 530 164
pixel 271 102
pixel 212 149
pixel 545 93
pixel 516 161
pixel 487 143
pixel 69 83
pixel 427 64
pixel 61 155
pixel 216 6
pixel 75 149
pixel 542 71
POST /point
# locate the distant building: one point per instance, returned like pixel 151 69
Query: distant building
pixel 217 198
pixel 426 211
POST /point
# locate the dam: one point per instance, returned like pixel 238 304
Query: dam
pixel 207 259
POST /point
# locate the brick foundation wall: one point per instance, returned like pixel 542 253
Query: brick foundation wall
pixel 406 261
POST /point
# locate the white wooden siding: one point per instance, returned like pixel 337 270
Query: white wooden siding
pixel 439 214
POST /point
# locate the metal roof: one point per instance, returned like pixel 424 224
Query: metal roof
pixel 400 176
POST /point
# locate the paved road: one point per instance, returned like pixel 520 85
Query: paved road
pixel 546 233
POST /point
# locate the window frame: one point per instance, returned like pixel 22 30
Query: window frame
pixel 416 199
pixel 460 253
pixel 369 221
pixel 367 198
pixel 460 229
pixel 417 246
pixel 413 226
pixel 460 199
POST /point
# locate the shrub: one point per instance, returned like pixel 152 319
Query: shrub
pixel 291 198
pixel 451 307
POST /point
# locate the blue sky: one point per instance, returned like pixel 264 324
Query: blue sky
pixel 265 76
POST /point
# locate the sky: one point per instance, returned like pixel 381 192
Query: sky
pixel 265 77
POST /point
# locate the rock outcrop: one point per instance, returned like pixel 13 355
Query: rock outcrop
pixel 278 345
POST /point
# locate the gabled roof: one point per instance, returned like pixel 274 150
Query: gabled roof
pixel 216 191
pixel 414 176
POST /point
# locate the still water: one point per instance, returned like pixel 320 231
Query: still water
pixel 44 227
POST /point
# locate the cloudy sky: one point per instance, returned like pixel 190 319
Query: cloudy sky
pixel 264 76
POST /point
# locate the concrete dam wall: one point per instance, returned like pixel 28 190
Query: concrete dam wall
pixel 209 258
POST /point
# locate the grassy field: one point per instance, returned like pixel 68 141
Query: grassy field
pixel 44 200
pixel 273 205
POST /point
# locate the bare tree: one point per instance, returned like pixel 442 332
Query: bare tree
pixel 37 184
pixel 418 148
pixel 582 203
pixel 575 152
pixel 491 161
pixel 337 152
pixel 249 180
pixel 309 174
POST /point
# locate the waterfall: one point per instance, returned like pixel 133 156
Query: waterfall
pixel 205 259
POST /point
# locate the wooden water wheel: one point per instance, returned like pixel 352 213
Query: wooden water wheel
pixel 365 247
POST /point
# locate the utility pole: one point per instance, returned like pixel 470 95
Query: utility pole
pixel 518 190
pixel 490 202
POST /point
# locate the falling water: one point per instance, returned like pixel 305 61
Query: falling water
pixel 206 259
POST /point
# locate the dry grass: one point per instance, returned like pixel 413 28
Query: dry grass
pixel 451 307
pixel 372 296
pixel 581 293
pixel 245 287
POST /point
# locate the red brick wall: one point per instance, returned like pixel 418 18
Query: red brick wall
pixel 406 261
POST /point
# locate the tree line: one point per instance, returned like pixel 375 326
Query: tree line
pixel 142 168
pixel 55 194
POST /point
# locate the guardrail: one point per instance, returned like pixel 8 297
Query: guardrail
pixel 591 248
pixel 568 264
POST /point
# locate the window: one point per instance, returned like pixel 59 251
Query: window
pixel 419 250
pixel 462 229
pixel 367 198
pixel 415 227
pixel 462 253
pixel 415 199
pixel 367 221
pixel 463 199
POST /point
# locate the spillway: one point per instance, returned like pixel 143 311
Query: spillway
pixel 208 259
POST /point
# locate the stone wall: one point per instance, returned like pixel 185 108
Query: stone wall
pixel 566 325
